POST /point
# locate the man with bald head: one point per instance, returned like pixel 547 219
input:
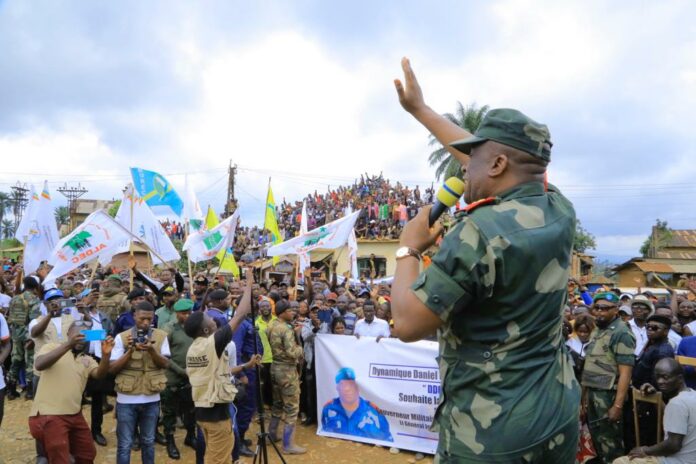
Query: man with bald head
pixel 494 292
pixel 679 445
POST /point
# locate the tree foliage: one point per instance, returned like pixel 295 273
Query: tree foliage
pixel 467 117
pixel 659 237
pixel 584 240
pixel 114 208
pixel 62 216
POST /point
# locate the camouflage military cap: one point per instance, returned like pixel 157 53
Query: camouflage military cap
pixel 345 373
pixel 183 304
pixel 513 128
pixel 607 296
pixel 115 277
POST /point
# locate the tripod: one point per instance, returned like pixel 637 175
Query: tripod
pixel 261 455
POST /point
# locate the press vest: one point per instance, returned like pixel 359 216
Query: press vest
pixel 141 376
pixel 209 375
pixel 50 335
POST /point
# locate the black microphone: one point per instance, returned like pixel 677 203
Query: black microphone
pixel 446 197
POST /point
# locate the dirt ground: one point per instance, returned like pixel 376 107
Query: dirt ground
pixel 17 446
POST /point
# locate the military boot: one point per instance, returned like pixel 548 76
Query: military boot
pixel 190 439
pixel 12 393
pixel 273 429
pixel 29 391
pixel 289 446
pixel 172 450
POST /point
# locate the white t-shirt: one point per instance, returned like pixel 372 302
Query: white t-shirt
pixel 118 351
pixel 641 334
pixel 374 329
pixel 56 322
pixel 5 300
pixel 5 337
pixel 680 417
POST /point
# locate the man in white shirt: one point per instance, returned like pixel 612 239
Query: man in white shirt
pixel 139 359
pixel 5 349
pixel 679 445
pixel 642 308
pixel 370 326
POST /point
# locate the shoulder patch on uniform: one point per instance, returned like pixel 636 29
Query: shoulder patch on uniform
pixel 484 201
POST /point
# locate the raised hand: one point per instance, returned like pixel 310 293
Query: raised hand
pixel 409 91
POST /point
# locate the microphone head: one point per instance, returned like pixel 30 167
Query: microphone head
pixel 451 190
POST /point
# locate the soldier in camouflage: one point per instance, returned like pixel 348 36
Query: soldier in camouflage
pixel 606 376
pixel 494 293
pixel 23 308
pixel 112 301
pixel 283 337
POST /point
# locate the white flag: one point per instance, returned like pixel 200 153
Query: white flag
pixel 42 234
pixel 330 236
pixel 98 235
pixel 305 261
pixel 204 245
pixel 193 214
pixel 145 226
pixel 353 254
pixel 22 231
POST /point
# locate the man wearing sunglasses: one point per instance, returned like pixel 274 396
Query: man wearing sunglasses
pixel 607 375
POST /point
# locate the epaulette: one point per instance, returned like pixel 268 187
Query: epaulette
pixel 484 201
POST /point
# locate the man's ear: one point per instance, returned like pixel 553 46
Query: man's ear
pixel 498 165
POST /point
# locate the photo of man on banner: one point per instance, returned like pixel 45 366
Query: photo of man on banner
pixel 351 414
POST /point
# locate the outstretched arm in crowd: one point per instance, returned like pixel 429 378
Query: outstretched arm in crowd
pixel 308 287
pixel 411 99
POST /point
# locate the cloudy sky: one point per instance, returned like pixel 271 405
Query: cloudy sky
pixel 302 92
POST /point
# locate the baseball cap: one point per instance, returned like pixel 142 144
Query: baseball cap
pixel 626 309
pixel 345 373
pixel 183 304
pixel 513 128
pixel 168 289
pixel 53 293
pixel 331 296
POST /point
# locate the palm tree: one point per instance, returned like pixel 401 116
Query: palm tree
pixel 5 203
pixel 467 117
pixel 62 215
pixel 7 227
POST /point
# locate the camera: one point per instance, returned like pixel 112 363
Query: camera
pixel 140 336
pixel 67 302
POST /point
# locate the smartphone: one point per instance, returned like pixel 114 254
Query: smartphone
pixel 67 302
pixel 94 335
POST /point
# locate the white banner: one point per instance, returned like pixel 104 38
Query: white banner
pixel 145 226
pixel 99 234
pixel 22 231
pixel 332 235
pixel 202 246
pixel 42 234
pixel 392 388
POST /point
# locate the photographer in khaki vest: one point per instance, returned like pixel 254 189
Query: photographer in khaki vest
pixel 212 389
pixel 139 360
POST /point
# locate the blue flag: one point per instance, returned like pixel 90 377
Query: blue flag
pixel 156 190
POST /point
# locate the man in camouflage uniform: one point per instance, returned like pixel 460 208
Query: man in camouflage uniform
pixel 606 376
pixel 112 301
pixel 23 308
pixel 177 396
pixel 494 292
pixel 283 337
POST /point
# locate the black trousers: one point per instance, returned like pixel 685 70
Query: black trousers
pixel 266 384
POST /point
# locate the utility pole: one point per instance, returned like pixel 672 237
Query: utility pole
pixel 19 201
pixel 231 203
pixel 72 194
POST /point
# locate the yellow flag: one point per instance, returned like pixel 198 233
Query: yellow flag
pixel 271 223
pixel 229 264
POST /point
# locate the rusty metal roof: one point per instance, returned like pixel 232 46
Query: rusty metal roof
pixel 683 238
pixel 660 268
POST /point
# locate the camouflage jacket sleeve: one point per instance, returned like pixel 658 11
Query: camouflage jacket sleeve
pixel 34 307
pixel 292 348
pixel 461 272
pixel 623 344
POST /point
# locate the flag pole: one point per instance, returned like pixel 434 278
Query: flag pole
pixel 188 260
pixel 147 247
pixel 130 246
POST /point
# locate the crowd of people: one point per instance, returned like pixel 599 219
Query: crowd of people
pixel 623 343
pixel 171 350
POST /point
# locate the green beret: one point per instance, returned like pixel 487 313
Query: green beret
pixel 608 296
pixel 512 128
pixel 115 277
pixel 183 304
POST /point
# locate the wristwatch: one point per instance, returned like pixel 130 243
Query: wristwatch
pixel 405 251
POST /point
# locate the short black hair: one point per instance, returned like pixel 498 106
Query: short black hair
pixel 144 306
pixel 369 303
pixel 30 283
pixel 193 324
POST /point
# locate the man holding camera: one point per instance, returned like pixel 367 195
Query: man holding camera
pixel 139 360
